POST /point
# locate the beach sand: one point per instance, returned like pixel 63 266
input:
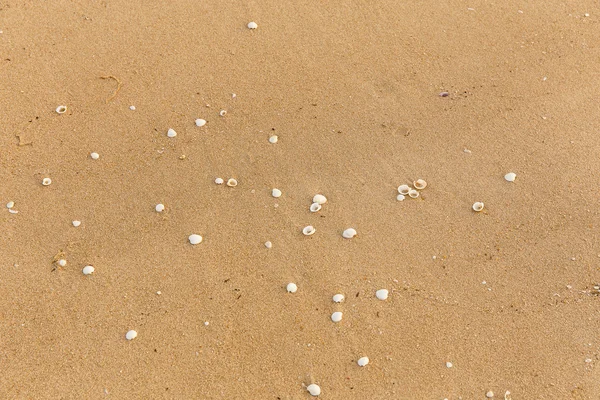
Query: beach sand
pixel 352 90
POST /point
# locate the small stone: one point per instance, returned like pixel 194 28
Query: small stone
pixel 131 335
pixel 95 156
pixel 195 239
pixel 46 181
pixel 268 245
pixel 319 199
pixel 510 177
pixel 349 233
pixel 489 394
pixel 88 270
pixel 338 298
pixel 276 193
pixel 171 133
pixel 382 294
pixel 76 223
pixel 62 262
pixel 200 122
pixel 160 208
pixel 273 139
pixel 313 389
pixel 219 181
pixel 363 361
pixel 336 316
pixel 252 25
pixel 10 204
pixel 61 109
pixel 291 287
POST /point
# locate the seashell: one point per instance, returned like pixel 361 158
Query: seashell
pixel 195 239
pixel 76 223
pixel 219 181
pixel 95 156
pixel 420 184
pixel 313 389
pixel 349 233
pixel 200 122
pixel 308 230
pixel 252 25
pixel 10 204
pixel 291 287
pixel 273 139
pixel 131 335
pixel 61 109
pixel 232 182
pixel 222 113
pixel 338 298
pixel 314 207
pixel 403 189
pixel 413 194
pixel 268 245
pixel 510 177
pixel 337 316
pixel 171 133
pixel 276 193
pixel 400 197
pixel 363 361
pixel 319 199
pixel 46 181
pixel 88 270
pixel 477 206
pixel 159 207
pixel 382 294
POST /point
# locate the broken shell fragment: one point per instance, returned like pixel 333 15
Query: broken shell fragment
pixel 232 182
pixel 477 206
pixel 403 189
pixel 314 207
pixel 413 194
pixel 308 230
pixel 420 184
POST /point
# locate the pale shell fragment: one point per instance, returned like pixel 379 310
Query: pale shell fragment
pixel 382 294
pixel 171 133
pixel 403 189
pixel 477 206
pixel 232 182
pixel 10 210
pixel 88 270
pixel 268 245
pixel 61 109
pixel 400 197
pixel 219 181
pixel 448 364
pixel 276 193
pixel 489 394
pixel 336 316
pixel 131 335
pixel 159 207
pixel 62 262
pixel 76 223
pixel 319 199
pixel 132 108
pixel 252 25
pixel 46 181
pixel 200 122
pixel 95 156
pixel 308 230
pixel 420 184
pixel 314 207
pixel 195 239
pixel 363 361
pixel 413 194
pixel 10 204
pixel 349 233
pixel 222 113
pixel 291 287
pixel 273 139
pixel 313 389
pixel 510 177
pixel 338 298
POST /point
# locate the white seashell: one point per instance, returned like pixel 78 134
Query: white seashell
pixel 268 245
pixel 413 194
pixel 76 223
pixel 314 207
pixel 363 361
pixel 273 139
pixel 131 335
pixel 222 113
pixel 171 133
pixel 219 181
pixel 510 177
pixel 477 206
pixel 319 199
pixel 46 181
pixel 382 294
pixel 276 193
pixel 10 210
pixel 232 182
pixel 291 287
pixel 308 230
pixel 489 394
pixel 337 316
pixel 95 156
pixel 400 197
pixel 159 207
pixel 61 109
pixel 252 25
pixel 313 389
pixel 420 184
pixel 62 262
pixel 200 122
pixel 132 108
pixel 338 298
pixel 448 364
pixel 195 239
pixel 403 189
pixel 10 204
pixel 349 233
pixel 88 270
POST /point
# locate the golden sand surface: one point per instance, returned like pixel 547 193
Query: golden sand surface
pixel 352 90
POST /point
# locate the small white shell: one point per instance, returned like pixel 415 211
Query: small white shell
pixel 171 133
pixel 337 316
pixel 313 389
pixel 132 108
pixel 232 182
pixel 349 233
pixel 291 287
pixel 314 207
pixel 76 223
pixel 363 361
pixel 219 181
pixel 252 25
pixel 308 230
pixel 448 364
pixel 10 210
pixel 62 262
pixel 222 113
pixel 88 270
pixel 61 109
pixel 160 208
pixel 477 206
pixel 400 197
pixel 510 177
pixel 131 335
pixel 403 189
pixel 273 139
pixel 95 156
pixel 413 194
pixel 200 122
pixel 10 204
pixel 489 394
pixel 382 294
pixel 420 184
pixel 319 199
pixel 338 298
pixel 268 245
pixel 276 193
pixel 46 181
pixel 195 239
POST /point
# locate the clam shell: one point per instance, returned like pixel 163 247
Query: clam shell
pixel 420 184
pixel 349 233
pixel 477 206
pixel 319 199
pixel 232 182
pixel 308 230
pixel 314 207
pixel 413 194
pixel 403 189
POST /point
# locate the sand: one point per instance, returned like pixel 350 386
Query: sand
pixel 351 89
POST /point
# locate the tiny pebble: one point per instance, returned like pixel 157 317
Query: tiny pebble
pixel 273 139
pixel 338 298
pixel 10 204
pixel 268 245
pixel 62 262
pixel 510 177
pixel 400 197
pixel 448 364
pixel 314 207
pixel 200 122
pixel 76 223
pixel 159 207
pixel 46 181
pixel 252 25
pixel 219 181
pixel 477 206
pixel 319 199
pixel 88 270
pixel 132 108
pixel 171 133
pixel 308 230
pixel 61 109
pixel 489 394
pixel 276 193
pixel 291 287
pixel 382 294
pixel 336 316
pixel 313 389
pixel 222 113
pixel 232 182
pixel 131 335
pixel 195 239
pixel 363 361
pixel 349 233
pixel 95 156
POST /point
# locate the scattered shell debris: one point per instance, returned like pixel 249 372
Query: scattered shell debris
pixel 313 389
pixel 46 181
pixel 219 181
pixel 363 361
pixel 382 294
pixel 319 199
pixel 171 133
pixel 195 239
pixel 61 109
pixel 200 122
pixel 273 139
pixel 252 25
pixel 291 287
pixel 268 245
pixel 76 223
pixel 94 156
pixel 314 207
pixel 276 193
pixel 88 270
pixel 477 206
pixel 308 230
pixel 510 177
pixel 131 335
pixel 337 316
pixel 160 208
pixel 338 298
pixel 232 182
pixel 349 233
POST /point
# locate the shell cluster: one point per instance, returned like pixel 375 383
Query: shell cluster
pixel 412 192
